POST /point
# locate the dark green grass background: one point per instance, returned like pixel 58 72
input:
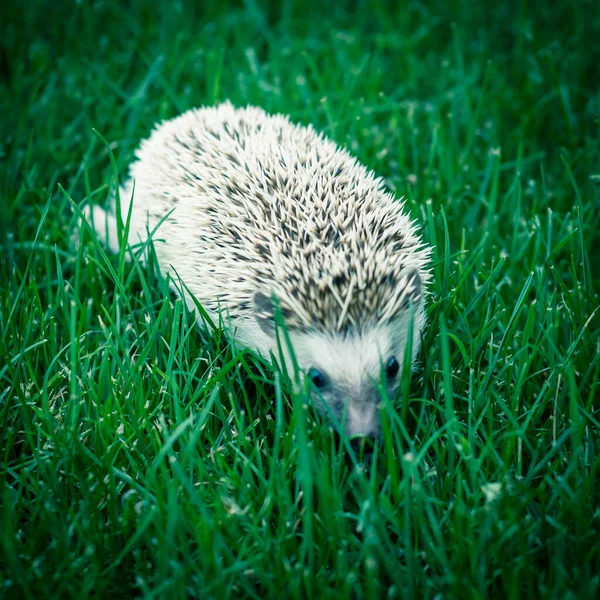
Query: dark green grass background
pixel 140 455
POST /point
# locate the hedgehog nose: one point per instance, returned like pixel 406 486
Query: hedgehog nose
pixel 362 421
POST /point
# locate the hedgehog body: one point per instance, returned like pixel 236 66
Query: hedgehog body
pixel 246 207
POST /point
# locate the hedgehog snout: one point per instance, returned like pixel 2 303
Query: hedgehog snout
pixel 362 420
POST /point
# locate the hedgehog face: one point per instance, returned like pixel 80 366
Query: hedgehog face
pixel 347 372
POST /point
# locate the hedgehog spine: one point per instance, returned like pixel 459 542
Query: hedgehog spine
pixel 253 207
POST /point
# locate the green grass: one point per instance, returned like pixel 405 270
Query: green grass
pixel 143 456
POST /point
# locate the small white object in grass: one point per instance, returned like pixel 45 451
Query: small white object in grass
pixel 491 491
pixel 409 457
pixel 257 215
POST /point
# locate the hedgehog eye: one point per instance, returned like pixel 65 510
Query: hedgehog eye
pixel 319 380
pixel 392 367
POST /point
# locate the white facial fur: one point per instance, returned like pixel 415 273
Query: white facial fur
pixel 353 365
pixel 354 369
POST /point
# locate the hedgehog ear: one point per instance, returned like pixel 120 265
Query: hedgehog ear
pixel 413 290
pixel 264 312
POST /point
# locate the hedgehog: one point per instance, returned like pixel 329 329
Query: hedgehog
pixel 261 217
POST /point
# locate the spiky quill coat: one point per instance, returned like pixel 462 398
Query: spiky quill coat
pixel 252 202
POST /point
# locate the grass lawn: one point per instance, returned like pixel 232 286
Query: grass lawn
pixel 140 455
